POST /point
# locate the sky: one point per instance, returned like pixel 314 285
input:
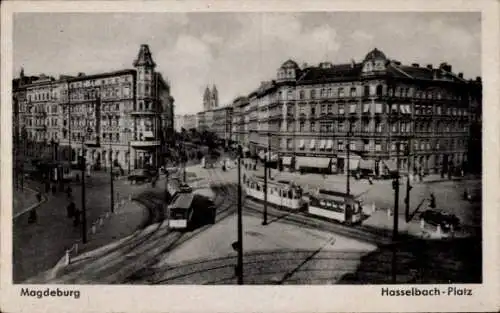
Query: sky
pixel 236 51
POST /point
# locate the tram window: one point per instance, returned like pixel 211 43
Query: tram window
pixel 322 203
pixel 290 194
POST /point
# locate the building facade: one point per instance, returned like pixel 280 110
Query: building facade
pixel 187 121
pixel 123 117
pixel 378 111
pixel 222 121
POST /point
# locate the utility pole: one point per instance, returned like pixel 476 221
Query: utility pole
pixel 396 195
pixel 348 182
pixel 408 183
pixel 84 210
pixel 111 181
pixel 264 221
pixel 240 223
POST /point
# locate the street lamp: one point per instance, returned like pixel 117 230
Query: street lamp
pixel 238 245
pixel 348 178
pixel 83 164
pixel 266 161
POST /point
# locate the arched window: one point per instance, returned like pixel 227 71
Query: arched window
pixel 379 90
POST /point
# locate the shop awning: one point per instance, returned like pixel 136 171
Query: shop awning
pixel 391 165
pixel 312 162
pixel 367 164
pixel 353 164
pixel 287 161
pixel 312 144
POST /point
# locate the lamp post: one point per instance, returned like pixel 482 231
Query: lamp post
pixel 112 196
pixel 84 209
pixel 266 161
pixel 239 267
pixel 348 178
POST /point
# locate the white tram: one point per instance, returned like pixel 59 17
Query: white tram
pixel 283 195
pixel 335 205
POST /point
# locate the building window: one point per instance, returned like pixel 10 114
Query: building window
pixel 366 145
pixel 352 108
pixel 353 92
pixel 330 109
pixel 352 146
pixel 366 91
pixel 366 108
pixel 313 93
pixel 301 126
pixel 378 108
pixel 301 94
pixel 379 90
pixel 313 110
pixel 378 146
pixel 378 127
pixel 341 92
pixel 313 127
pixel 340 145
pixel 323 109
pixel 341 109
pixel 289 144
pixel 366 127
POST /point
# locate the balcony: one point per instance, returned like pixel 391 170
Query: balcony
pixel 143 112
pixel 144 143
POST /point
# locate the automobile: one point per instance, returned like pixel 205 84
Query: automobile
pixel 447 221
pixel 183 187
pixel 140 175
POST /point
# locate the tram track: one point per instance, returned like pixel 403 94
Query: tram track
pixel 222 200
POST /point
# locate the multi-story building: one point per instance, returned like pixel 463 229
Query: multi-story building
pixel 239 133
pixel 378 111
pixel 222 120
pixel 124 117
pixel 187 121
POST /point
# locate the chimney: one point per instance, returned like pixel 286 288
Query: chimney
pixel 305 65
pixel 81 74
pixel 448 68
pixel 397 62
pixel 352 63
pixel 415 65
pixel 461 75
pixel 429 66
pixel 478 79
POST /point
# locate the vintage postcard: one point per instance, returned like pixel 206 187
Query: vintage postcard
pixel 224 156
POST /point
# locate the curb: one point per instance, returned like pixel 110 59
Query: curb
pixel 33 206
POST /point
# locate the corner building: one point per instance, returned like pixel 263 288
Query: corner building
pixel 123 117
pixel 379 107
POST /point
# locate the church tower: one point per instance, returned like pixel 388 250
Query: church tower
pixel 214 101
pixel 206 99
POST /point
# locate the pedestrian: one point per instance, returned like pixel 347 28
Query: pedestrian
pixel 370 180
pixel 32 216
pixel 39 197
pixel 432 201
pixel 76 219
pixel 69 191
pixel 54 189
pixel 47 187
pixel 70 209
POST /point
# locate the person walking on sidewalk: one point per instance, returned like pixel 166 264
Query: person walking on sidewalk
pixel 76 219
pixel 71 209
pixel 32 218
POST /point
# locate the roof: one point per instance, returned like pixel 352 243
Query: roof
pixel 182 200
pixel 325 193
pixel 337 72
pixel 290 64
pixel 144 58
pixel 375 54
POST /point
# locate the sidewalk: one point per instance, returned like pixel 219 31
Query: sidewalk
pixel 22 200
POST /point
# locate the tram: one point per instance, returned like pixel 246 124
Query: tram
pixel 283 195
pixel 335 205
pixel 180 211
